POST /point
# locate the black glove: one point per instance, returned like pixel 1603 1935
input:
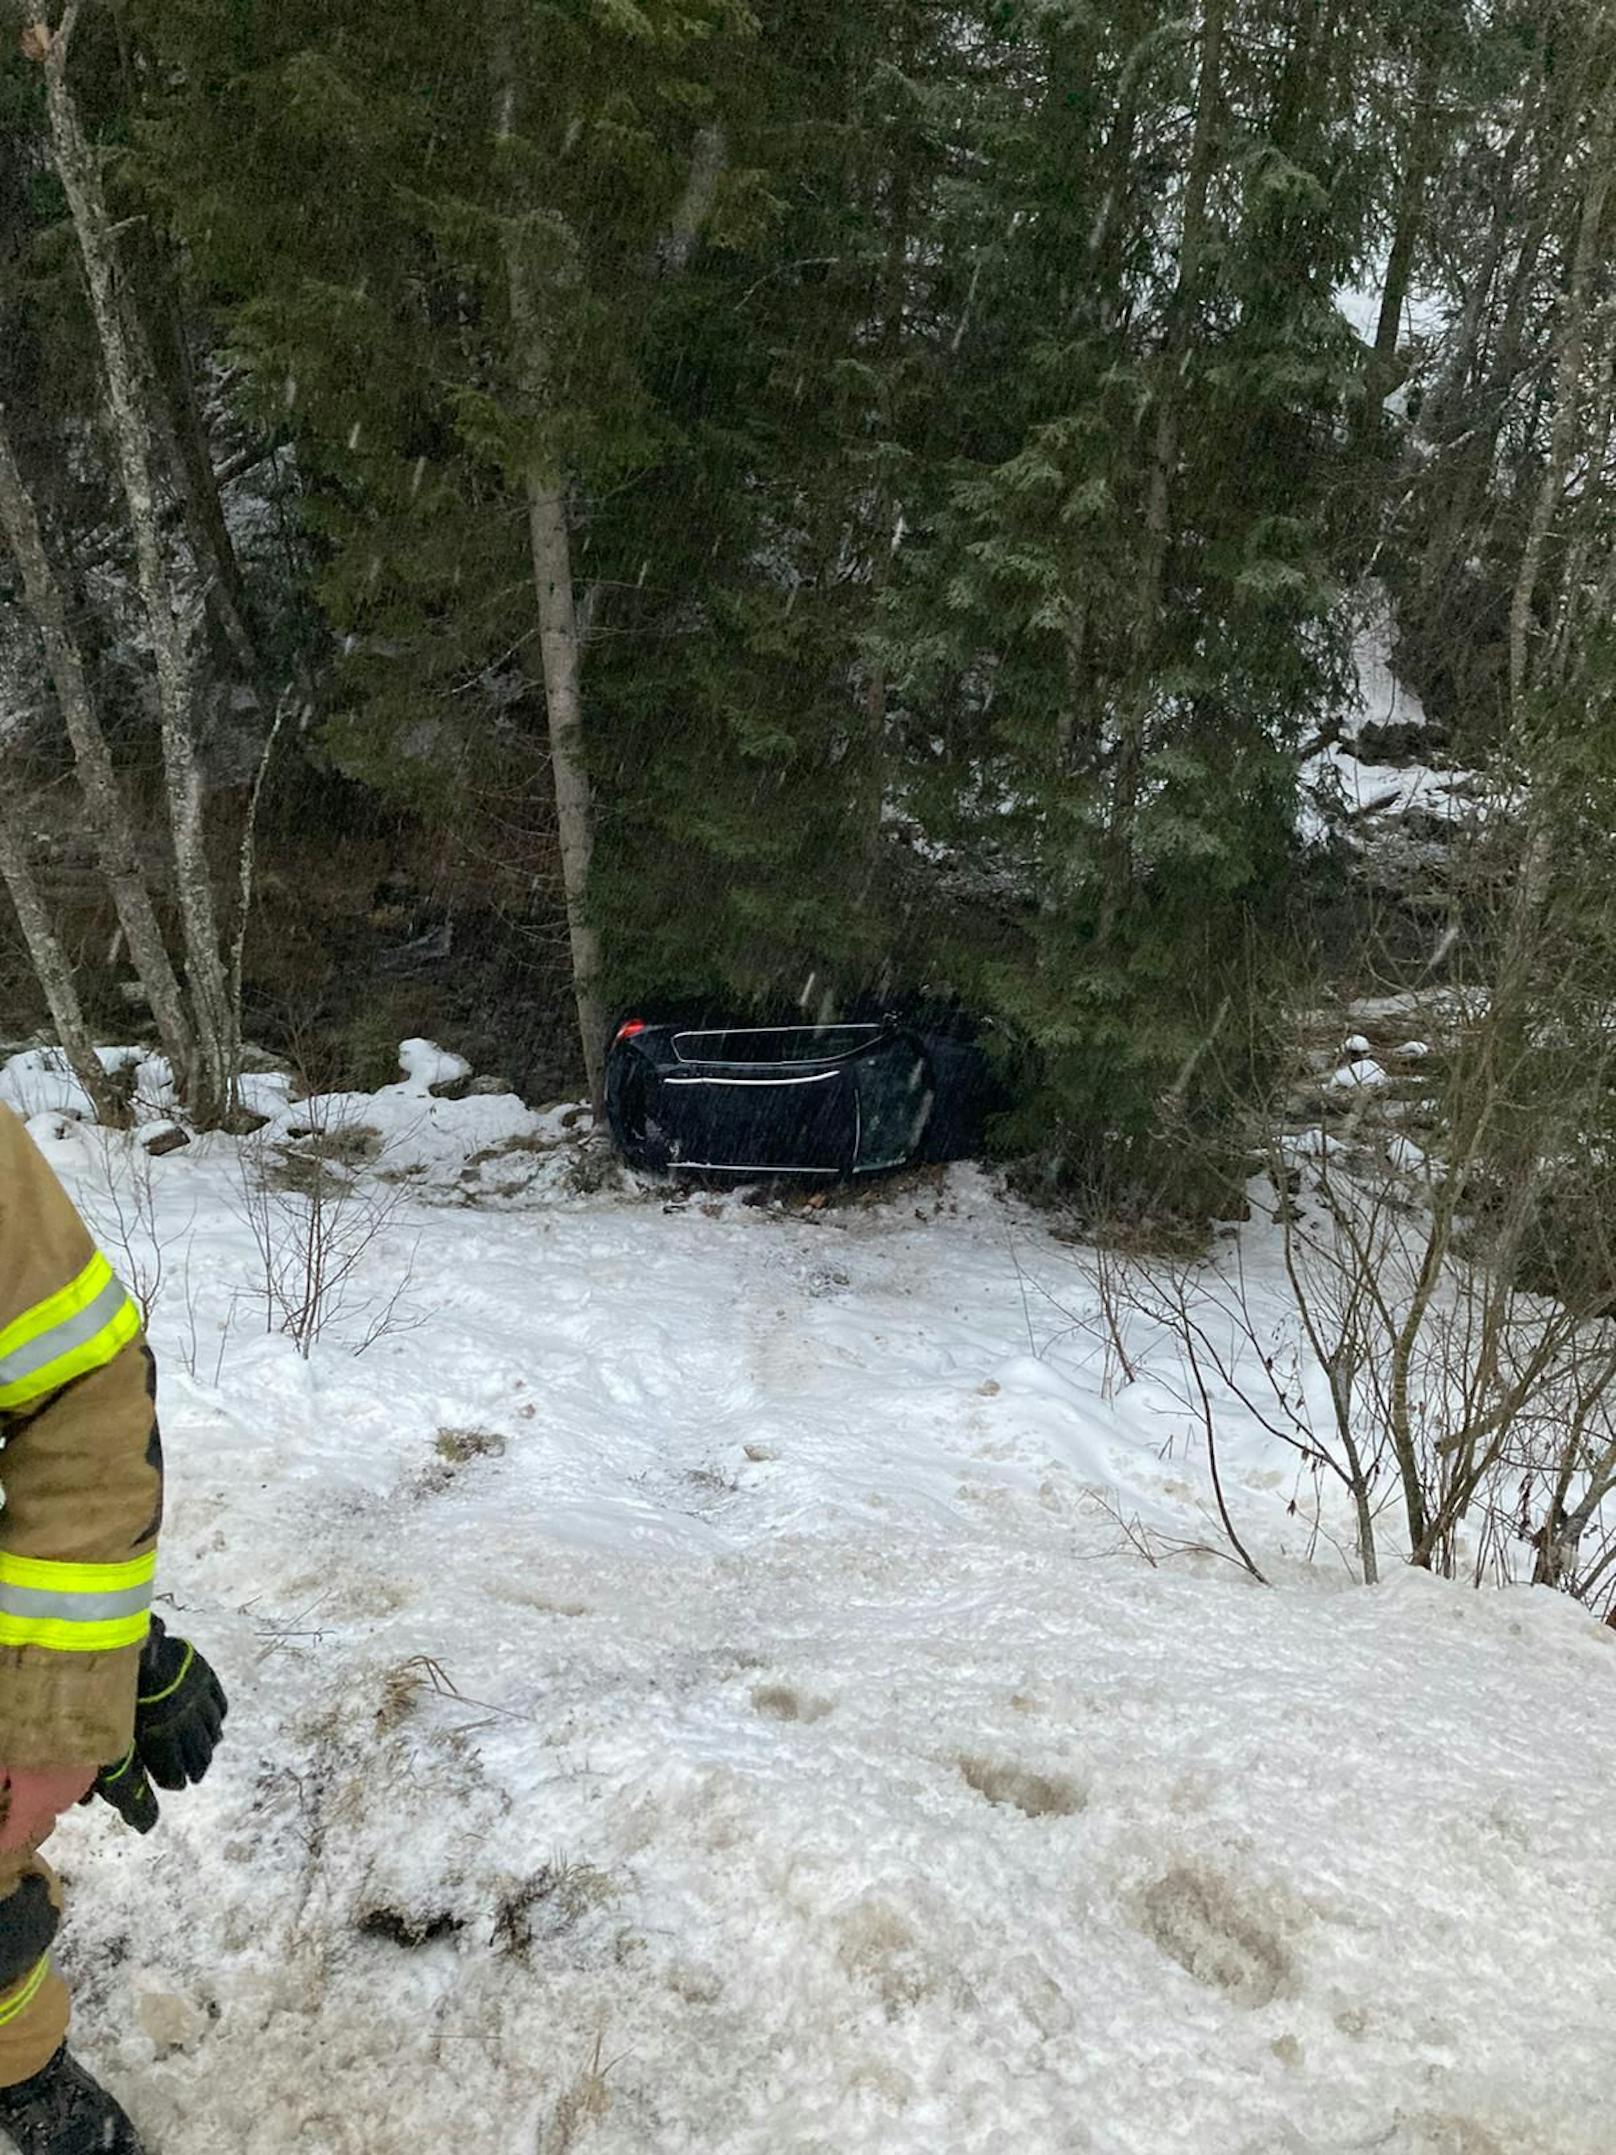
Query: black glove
pixel 180 1711
pixel 126 1787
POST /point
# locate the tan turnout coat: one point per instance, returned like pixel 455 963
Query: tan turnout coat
pixel 81 1472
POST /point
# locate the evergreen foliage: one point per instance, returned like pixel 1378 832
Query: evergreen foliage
pixel 973 427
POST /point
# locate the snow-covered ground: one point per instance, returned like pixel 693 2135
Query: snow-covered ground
pixel 1341 784
pixel 694 1689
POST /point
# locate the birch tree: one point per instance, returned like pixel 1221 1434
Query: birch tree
pixel 211 1073
pixel 51 965
pixel 560 640
pixel 548 486
pixel 106 809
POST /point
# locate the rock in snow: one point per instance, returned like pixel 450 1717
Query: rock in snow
pixel 1353 1077
pixel 159 1138
pixel 426 1066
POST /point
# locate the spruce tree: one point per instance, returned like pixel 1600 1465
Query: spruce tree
pixel 1138 572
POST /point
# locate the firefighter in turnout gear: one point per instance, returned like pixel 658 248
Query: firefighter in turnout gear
pixel 94 1696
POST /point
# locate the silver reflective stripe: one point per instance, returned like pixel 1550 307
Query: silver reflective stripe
pixel 75 1331
pixel 728 1167
pixel 31 1601
pixel 739 1084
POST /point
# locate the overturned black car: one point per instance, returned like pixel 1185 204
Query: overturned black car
pixel 830 1101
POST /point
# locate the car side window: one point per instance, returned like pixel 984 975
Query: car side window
pixel 894 1100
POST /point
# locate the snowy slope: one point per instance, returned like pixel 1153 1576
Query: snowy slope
pixel 1343 789
pixel 828 1772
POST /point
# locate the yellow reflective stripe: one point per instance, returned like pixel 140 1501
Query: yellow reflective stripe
pixel 75 1608
pixel 19 2000
pixel 79 1355
pixel 63 1636
pixel 56 1309
pixel 49 1577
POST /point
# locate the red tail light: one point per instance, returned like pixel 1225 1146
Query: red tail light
pixel 630 1030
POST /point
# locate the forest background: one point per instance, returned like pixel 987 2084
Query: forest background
pixel 517 510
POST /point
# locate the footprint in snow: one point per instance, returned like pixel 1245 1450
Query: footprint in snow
pixel 1200 1921
pixel 780 1702
pixel 1034 1795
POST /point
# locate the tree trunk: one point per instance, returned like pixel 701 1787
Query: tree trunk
pixel 561 641
pixel 1577 612
pixel 104 802
pixel 193 464
pixel 210 1080
pixel 53 972
pixel 1571 348
pixel 561 653
pixel 1423 156
pixel 550 542
pixel 1297 77
pixel 1462 413
pixel 675 246
pixel 1478 418
pixel 247 858
pixel 560 637
pixel 1105 284
pixel 1074 720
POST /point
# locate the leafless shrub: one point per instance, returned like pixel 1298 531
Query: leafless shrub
pixel 1128 1285
pixel 1136 1538
pixel 317 1215
pixel 119 1201
pixel 1476 1368
pixel 1181 1300
pixel 1443 1339
pixel 1595 1583
pixel 1579 1478
pixel 1107 1266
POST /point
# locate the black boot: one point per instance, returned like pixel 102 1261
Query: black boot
pixel 62 2111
